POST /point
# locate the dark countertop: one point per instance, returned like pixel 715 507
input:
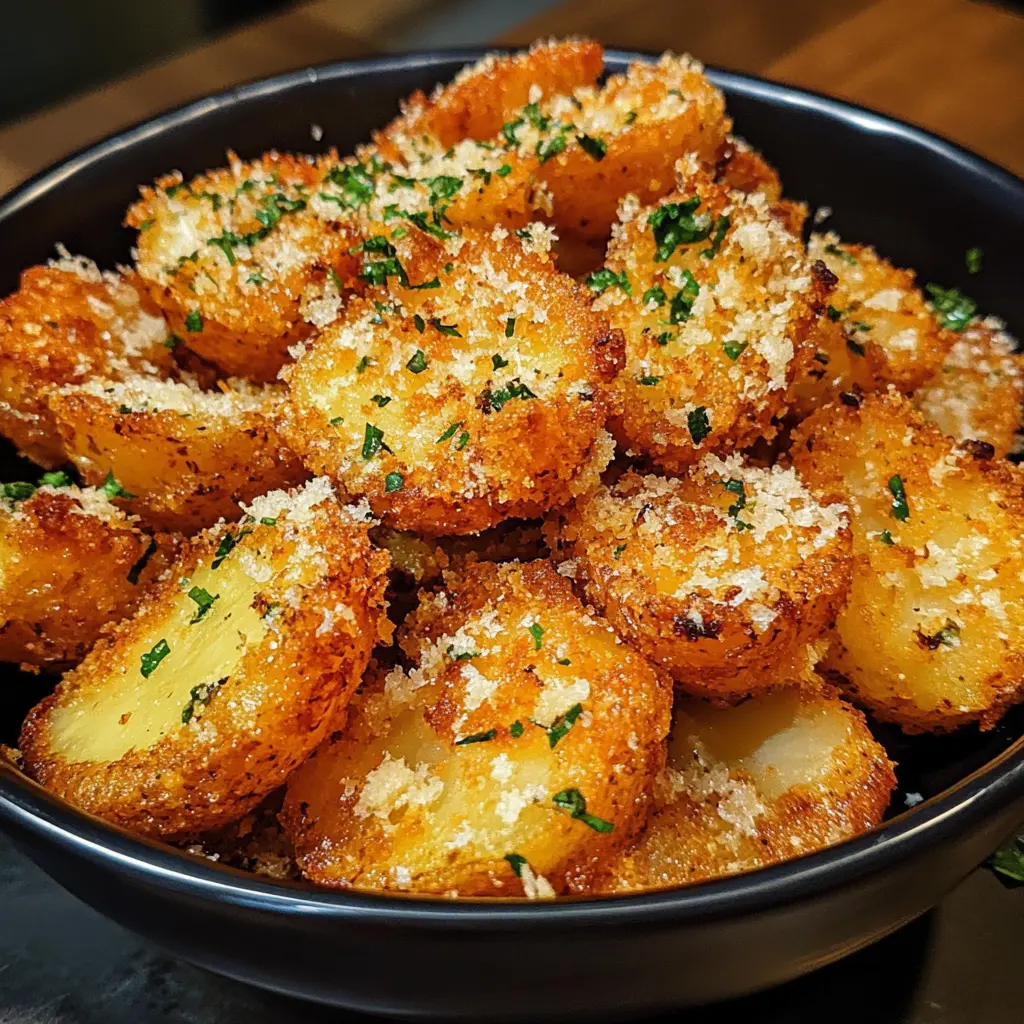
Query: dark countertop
pixel 61 963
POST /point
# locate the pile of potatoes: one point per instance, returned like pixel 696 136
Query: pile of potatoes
pixel 516 506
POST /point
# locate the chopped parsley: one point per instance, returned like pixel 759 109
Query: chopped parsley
pixel 846 257
pixel 674 224
pixel 461 655
pixel 509 129
pixel 655 294
pixel 418 362
pixel 573 801
pixel 900 509
pixel 595 148
pixel 717 237
pixel 112 489
pixel 952 308
pixel 194 322
pixel 681 306
pixel 496 400
pixel 450 432
pixel 629 118
pixel 268 521
pixel 336 421
pixel 448 329
pixel 462 441
pixel 419 323
pixel 736 487
pixel 478 737
pixel 516 862
pixel 537 632
pixel 444 186
pixel 1007 861
pixel 564 661
pixel 498 362
pixel 19 490
pixel 516 729
pixel 664 338
pixel 833 313
pixel 562 724
pixel 619 548
pixel 855 346
pixel 199 697
pixel 503 170
pixel 380 400
pixel 172 341
pixel 56 478
pixel 227 544
pixel 393 482
pixel 152 658
pixel 601 280
pixel 510 328
pixel 698 423
pixel 434 282
pixel 547 148
pixel 356 184
pixel 734 349
pixel 362 364
pixel 972 258
pixel 373 441
pixel 885 537
pixel 136 570
pixel 204 602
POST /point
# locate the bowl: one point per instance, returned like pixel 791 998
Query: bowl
pixel 923 202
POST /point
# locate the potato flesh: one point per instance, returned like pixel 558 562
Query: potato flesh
pixel 394 800
pixel 931 636
pixel 785 774
pixel 132 712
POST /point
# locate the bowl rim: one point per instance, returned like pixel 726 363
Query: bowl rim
pixel 27 809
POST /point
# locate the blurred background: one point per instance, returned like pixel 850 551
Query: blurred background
pixel 72 71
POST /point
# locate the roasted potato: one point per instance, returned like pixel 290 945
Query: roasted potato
pixel 66 323
pixel 600 143
pixel 454 407
pixel 186 715
pixel 230 256
pixel 781 776
pixel 178 457
pixel 977 395
pixel 70 562
pixel 932 636
pixel 742 168
pixel 877 329
pixel 716 300
pixel 486 95
pixel 512 757
pixel 726 577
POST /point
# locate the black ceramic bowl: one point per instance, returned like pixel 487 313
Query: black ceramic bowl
pixel 922 201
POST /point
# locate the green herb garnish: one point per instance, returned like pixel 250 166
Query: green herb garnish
pixel 952 308
pixel 194 322
pixel 900 509
pixel 601 280
pixel 152 658
pixel 393 482
pixel 204 602
pixel 479 737
pixel 674 224
pixel 698 423
pixel 418 362
pixel 561 725
pixel 595 148
pixel 112 489
pixel 573 801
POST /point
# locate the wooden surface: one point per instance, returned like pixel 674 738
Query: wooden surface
pixel 955 66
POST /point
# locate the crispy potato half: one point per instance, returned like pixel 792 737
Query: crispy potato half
pixel 230 255
pixel 70 562
pixel 778 777
pixel 484 96
pixel 724 577
pixel 877 329
pixel 716 300
pixel 452 407
pixel 625 136
pixel 512 757
pixel 932 636
pixel 178 457
pixel 978 393
pixel 68 322
pixel 183 717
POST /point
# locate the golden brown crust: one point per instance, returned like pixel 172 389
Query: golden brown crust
pixel 978 392
pixel 394 800
pixel 68 322
pixel 782 776
pixel 229 256
pixel 70 562
pixel 714 333
pixel 725 577
pixel 490 390
pixel 931 636
pixel 187 457
pixel 645 120
pixel 242 692
pixel 876 331
pixel 486 95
